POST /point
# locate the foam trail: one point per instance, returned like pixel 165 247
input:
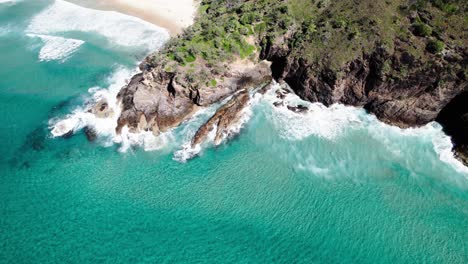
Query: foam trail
pixel 188 130
pixel 105 127
pixel 326 122
pixel 57 48
pixel 335 122
pixel 188 152
pixel 80 117
pixel 10 2
pixel 119 29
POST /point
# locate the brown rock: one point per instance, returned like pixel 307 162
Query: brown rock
pixel 278 103
pixel 298 109
pixel 102 110
pixel 224 118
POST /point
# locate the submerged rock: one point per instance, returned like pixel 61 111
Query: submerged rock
pixel 280 95
pixel 90 133
pixel 298 109
pixel 278 103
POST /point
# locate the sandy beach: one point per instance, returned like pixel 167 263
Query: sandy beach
pixel 173 15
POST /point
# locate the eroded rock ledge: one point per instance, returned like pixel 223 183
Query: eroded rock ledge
pixel 155 101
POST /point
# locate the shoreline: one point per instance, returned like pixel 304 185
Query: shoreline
pixel 172 15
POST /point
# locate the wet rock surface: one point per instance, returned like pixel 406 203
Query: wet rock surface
pixel 278 103
pixel 298 109
pixel 225 117
pixel 102 110
pixel 417 96
pixel 156 100
pixel 90 133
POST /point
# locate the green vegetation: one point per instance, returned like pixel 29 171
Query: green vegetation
pixel 435 46
pixel 339 31
pixel 422 30
pixel 213 83
pixel 328 33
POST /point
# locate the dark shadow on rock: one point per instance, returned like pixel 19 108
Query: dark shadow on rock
pixel 454 119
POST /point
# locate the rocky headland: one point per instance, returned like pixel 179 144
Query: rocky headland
pixel 404 61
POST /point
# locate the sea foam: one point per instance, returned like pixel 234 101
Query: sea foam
pixel 10 2
pixel 337 121
pixel 62 17
pixel 80 117
pixel 57 48
pixel 105 127
pixel 326 122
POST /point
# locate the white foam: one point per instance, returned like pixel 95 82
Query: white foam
pixel 188 152
pixel 80 117
pixel 188 130
pixel 57 48
pixel 335 121
pixel 145 139
pixel 105 127
pixel 443 147
pixel 11 2
pixel 322 121
pixel 119 29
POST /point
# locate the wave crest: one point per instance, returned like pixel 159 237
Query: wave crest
pixel 119 29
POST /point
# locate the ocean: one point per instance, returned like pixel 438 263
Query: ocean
pixel 333 185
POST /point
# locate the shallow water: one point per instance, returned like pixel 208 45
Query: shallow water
pixel 332 186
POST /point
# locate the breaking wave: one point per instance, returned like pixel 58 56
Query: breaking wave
pixel 104 127
pixel 62 17
pixel 336 122
pixel 333 124
pixel 10 2
pixel 57 48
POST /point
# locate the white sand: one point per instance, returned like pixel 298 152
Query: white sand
pixel 171 14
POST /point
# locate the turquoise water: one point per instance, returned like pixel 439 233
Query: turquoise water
pixel 334 186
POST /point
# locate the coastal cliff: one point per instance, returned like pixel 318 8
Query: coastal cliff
pixel 404 61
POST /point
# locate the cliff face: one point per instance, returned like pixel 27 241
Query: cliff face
pixel 411 100
pixel 429 91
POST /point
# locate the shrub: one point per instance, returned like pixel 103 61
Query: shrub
pixel 179 57
pixel 435 46
pixel 213 83
pixel 244 31
pixel 422 30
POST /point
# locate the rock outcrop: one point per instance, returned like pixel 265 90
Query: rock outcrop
pixel 156 100
pixel 376 81
pixel 153 101
pixel 224 118
pixel 102 110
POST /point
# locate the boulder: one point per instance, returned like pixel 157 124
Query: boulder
pixel 102 110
